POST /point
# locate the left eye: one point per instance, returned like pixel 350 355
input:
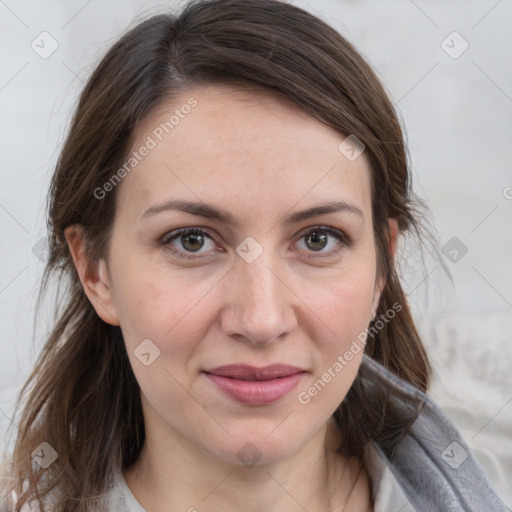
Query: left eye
pixel 192 240
pixel 317 239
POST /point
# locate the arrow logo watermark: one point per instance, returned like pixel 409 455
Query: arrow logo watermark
pixel 454 249
pixel 249 249
pixel 146 352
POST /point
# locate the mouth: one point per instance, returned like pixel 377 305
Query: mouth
pixel 255 386
pixel 248 372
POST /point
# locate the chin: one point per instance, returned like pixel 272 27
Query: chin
pixel 250 448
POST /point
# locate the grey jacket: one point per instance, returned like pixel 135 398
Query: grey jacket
pixel 430 468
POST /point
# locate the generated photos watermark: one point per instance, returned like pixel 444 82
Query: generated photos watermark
pixel 304 397
pixel 151 142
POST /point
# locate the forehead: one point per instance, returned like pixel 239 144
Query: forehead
pixel 225 144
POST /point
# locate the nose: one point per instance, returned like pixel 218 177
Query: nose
pixel 259 307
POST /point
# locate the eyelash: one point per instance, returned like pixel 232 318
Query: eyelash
pixel 173 235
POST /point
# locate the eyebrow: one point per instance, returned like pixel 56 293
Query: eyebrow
pixel 212 212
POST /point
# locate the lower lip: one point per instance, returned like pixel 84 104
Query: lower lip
pixel 256 392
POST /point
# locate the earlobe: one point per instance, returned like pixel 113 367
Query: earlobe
pixel 93 276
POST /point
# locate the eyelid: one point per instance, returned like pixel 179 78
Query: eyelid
pixel 333 231
pixel 340 235
pixel 182 231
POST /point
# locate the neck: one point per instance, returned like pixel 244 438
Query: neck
pixel 173 474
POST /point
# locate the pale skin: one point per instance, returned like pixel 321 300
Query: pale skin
pixel 260 158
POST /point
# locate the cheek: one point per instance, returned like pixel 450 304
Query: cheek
pixel 343 306
pixel 163 305
pixel 339 339
pixel 165 309
pixel 343 302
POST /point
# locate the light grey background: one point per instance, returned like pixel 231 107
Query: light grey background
pixel 458 118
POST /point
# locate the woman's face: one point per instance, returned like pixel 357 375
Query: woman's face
pixel 256 283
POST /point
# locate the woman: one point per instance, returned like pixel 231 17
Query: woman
pixel 226 210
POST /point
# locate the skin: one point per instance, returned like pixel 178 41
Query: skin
pixel 259 157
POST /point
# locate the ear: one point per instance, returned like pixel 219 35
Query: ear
pixel 381 281
pixel 93 276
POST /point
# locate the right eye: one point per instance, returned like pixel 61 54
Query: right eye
pixel 191 240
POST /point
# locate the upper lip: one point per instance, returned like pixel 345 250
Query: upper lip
pixel 247 372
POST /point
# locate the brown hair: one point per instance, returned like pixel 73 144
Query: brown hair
pixel 82 397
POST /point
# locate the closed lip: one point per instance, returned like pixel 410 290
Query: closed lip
pixel 248 372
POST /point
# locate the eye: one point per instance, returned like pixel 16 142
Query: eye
pixel 191 240
pixel 317 239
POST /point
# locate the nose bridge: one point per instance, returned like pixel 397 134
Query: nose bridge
pixel 260 283
pixel 258 308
